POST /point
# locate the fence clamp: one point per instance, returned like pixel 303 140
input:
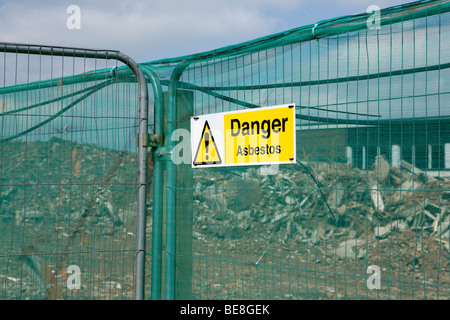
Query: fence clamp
pixel 156 140
pixel 145 139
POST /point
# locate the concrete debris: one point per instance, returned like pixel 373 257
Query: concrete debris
pixel 351 249
pixel 289 203
pixel 23 215
pixel 383 232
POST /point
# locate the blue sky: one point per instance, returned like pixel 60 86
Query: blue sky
pixel 150 30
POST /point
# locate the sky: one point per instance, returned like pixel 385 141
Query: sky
pixel 149 30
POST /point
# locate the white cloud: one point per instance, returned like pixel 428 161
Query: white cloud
pixel 358 4
pixel 143 29
pixel 154 29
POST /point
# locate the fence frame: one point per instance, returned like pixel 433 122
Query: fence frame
pixel 18 48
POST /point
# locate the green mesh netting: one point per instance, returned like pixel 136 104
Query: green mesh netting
pixel 373 143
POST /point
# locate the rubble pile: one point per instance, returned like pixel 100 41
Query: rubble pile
pixel 83 198
pixel 316 201
pixel 61 196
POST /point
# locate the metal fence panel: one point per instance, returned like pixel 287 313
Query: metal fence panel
pixel 367 199
pixel 68 175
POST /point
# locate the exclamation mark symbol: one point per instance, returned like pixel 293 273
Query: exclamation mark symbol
pixel 206 144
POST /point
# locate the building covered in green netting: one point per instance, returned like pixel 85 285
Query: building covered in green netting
pixel 384 86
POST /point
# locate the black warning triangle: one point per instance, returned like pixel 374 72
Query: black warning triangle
pixel 207 152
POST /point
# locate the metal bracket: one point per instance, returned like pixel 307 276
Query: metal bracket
pixel 314 35
pixel 164 153
pixel 156 140
pixel 145 139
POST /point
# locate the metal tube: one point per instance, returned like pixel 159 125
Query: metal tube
pixel 157 185
pixel 63 51
pixel 169 275
pixel 143 127
pixel 142 172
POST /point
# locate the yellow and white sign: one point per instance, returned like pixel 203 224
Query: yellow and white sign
pixel 246 137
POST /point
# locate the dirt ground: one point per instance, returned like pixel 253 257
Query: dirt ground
pixel 227 269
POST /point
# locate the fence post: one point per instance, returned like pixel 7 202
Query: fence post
pixel 170 217
pixel 142 171
pixel 158 167
pixel 184 208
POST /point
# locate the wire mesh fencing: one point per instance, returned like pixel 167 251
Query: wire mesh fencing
pixel 68 175
pixel 364 212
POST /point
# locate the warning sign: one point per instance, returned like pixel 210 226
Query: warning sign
pixel 245 137
pixel 207 152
